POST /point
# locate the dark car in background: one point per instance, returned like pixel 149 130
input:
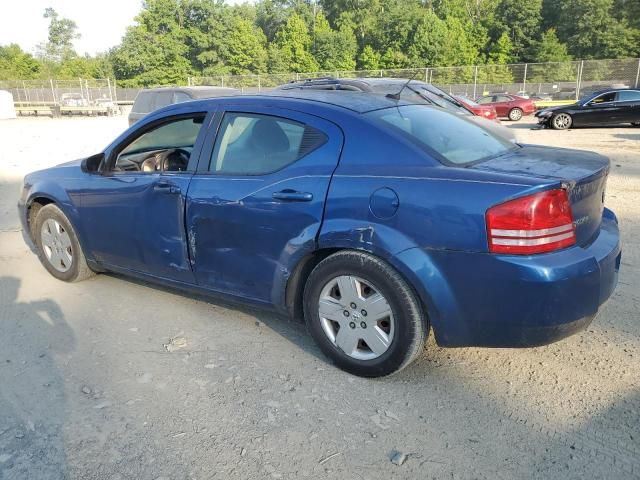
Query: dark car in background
pixel 407 89
pixel 151 99
pixel 606 107
pixel 508 106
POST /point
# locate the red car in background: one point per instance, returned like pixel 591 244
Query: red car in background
pixel 509 106
pixel 484 111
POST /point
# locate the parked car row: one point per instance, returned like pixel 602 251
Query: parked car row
pixel 376 212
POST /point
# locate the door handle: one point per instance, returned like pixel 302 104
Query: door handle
pixel 166 188
pixel 293 196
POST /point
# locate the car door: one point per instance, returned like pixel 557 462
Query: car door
pixel 502 104
pixel 602 110
pixel 256 203
pixel 133 213
pixel 629 104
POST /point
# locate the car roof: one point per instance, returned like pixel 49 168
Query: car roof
pixel 362 83
pixel 357 102
pixel 611 90
pixel 360 102
pixel 196 91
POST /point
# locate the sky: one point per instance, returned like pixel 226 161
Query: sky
pixel 100 24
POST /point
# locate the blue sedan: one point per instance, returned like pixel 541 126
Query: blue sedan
pixel 372 218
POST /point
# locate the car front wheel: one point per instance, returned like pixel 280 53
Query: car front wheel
pixel 561 121
pixel 58 246
pixel 363 315
pixel 515 114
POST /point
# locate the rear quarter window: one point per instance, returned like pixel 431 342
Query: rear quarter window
pixel 450 137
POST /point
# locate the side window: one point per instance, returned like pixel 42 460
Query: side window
pixel 607 97
pixel 165 148
pixel 252 144
pixel 180 97
pixel 503 98
pixel 483 100
pixel 629 96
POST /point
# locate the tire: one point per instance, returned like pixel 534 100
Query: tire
pixel 58 247
pixel 561 121
pixel 515 114
pixel 396 339
pixel 635 124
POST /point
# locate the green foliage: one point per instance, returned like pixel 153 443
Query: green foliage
pixel 292 45
pixel 171 40
pixel 62 33
pixel 591 30
pixel 549 48
pixel 16 64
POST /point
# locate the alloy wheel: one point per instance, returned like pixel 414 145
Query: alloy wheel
pixel 356 317
pixel 562 121
pixel 515 114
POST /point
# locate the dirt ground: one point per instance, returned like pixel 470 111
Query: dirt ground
pixel 114 379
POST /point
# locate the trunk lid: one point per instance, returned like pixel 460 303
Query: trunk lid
pixel 583 174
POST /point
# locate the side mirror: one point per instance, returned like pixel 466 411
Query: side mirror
pixel 92 164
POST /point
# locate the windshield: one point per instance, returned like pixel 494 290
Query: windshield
pixel 468 101
pixel 453 139
pixel 440 98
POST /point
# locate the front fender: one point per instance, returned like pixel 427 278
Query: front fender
pixel 65 199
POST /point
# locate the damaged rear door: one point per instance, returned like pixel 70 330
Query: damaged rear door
pixel 255 205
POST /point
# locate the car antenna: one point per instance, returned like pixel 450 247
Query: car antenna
pixel 396 96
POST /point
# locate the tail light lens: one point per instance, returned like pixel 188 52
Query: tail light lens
pixel 537 223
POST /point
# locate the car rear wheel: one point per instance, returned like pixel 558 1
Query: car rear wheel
pixel 561 121
pixel 515 114
pixel 58 246
pixel 363 315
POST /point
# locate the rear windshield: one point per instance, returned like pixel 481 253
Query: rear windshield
pixel 142 103
pixel 455 140
pixel 147 102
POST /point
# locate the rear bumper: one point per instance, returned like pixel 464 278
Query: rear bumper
pixel 476 299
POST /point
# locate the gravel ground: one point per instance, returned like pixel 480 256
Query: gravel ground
pixel 116 379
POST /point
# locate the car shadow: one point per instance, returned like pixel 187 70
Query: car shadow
pixel 32 410
pixel 293 330
pixel 629 136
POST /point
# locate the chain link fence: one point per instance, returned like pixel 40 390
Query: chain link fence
pixel 552 81
pixel 60 97
pixel 560 81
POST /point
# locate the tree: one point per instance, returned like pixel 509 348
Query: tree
pixel 369 59
pixel 591 30
pixel 154 50
pixel 245 52
pixel 293 44
pixel 549 48
pixel 520 19
pixel 16 64
pixel 333 50
pixel 62 33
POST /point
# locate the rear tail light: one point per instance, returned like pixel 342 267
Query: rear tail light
pixel 536 223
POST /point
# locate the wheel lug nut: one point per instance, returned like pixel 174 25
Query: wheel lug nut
pixel 346 313
pixel 353 305
pixel 363 324
pixel 352 325
pixel 363 312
